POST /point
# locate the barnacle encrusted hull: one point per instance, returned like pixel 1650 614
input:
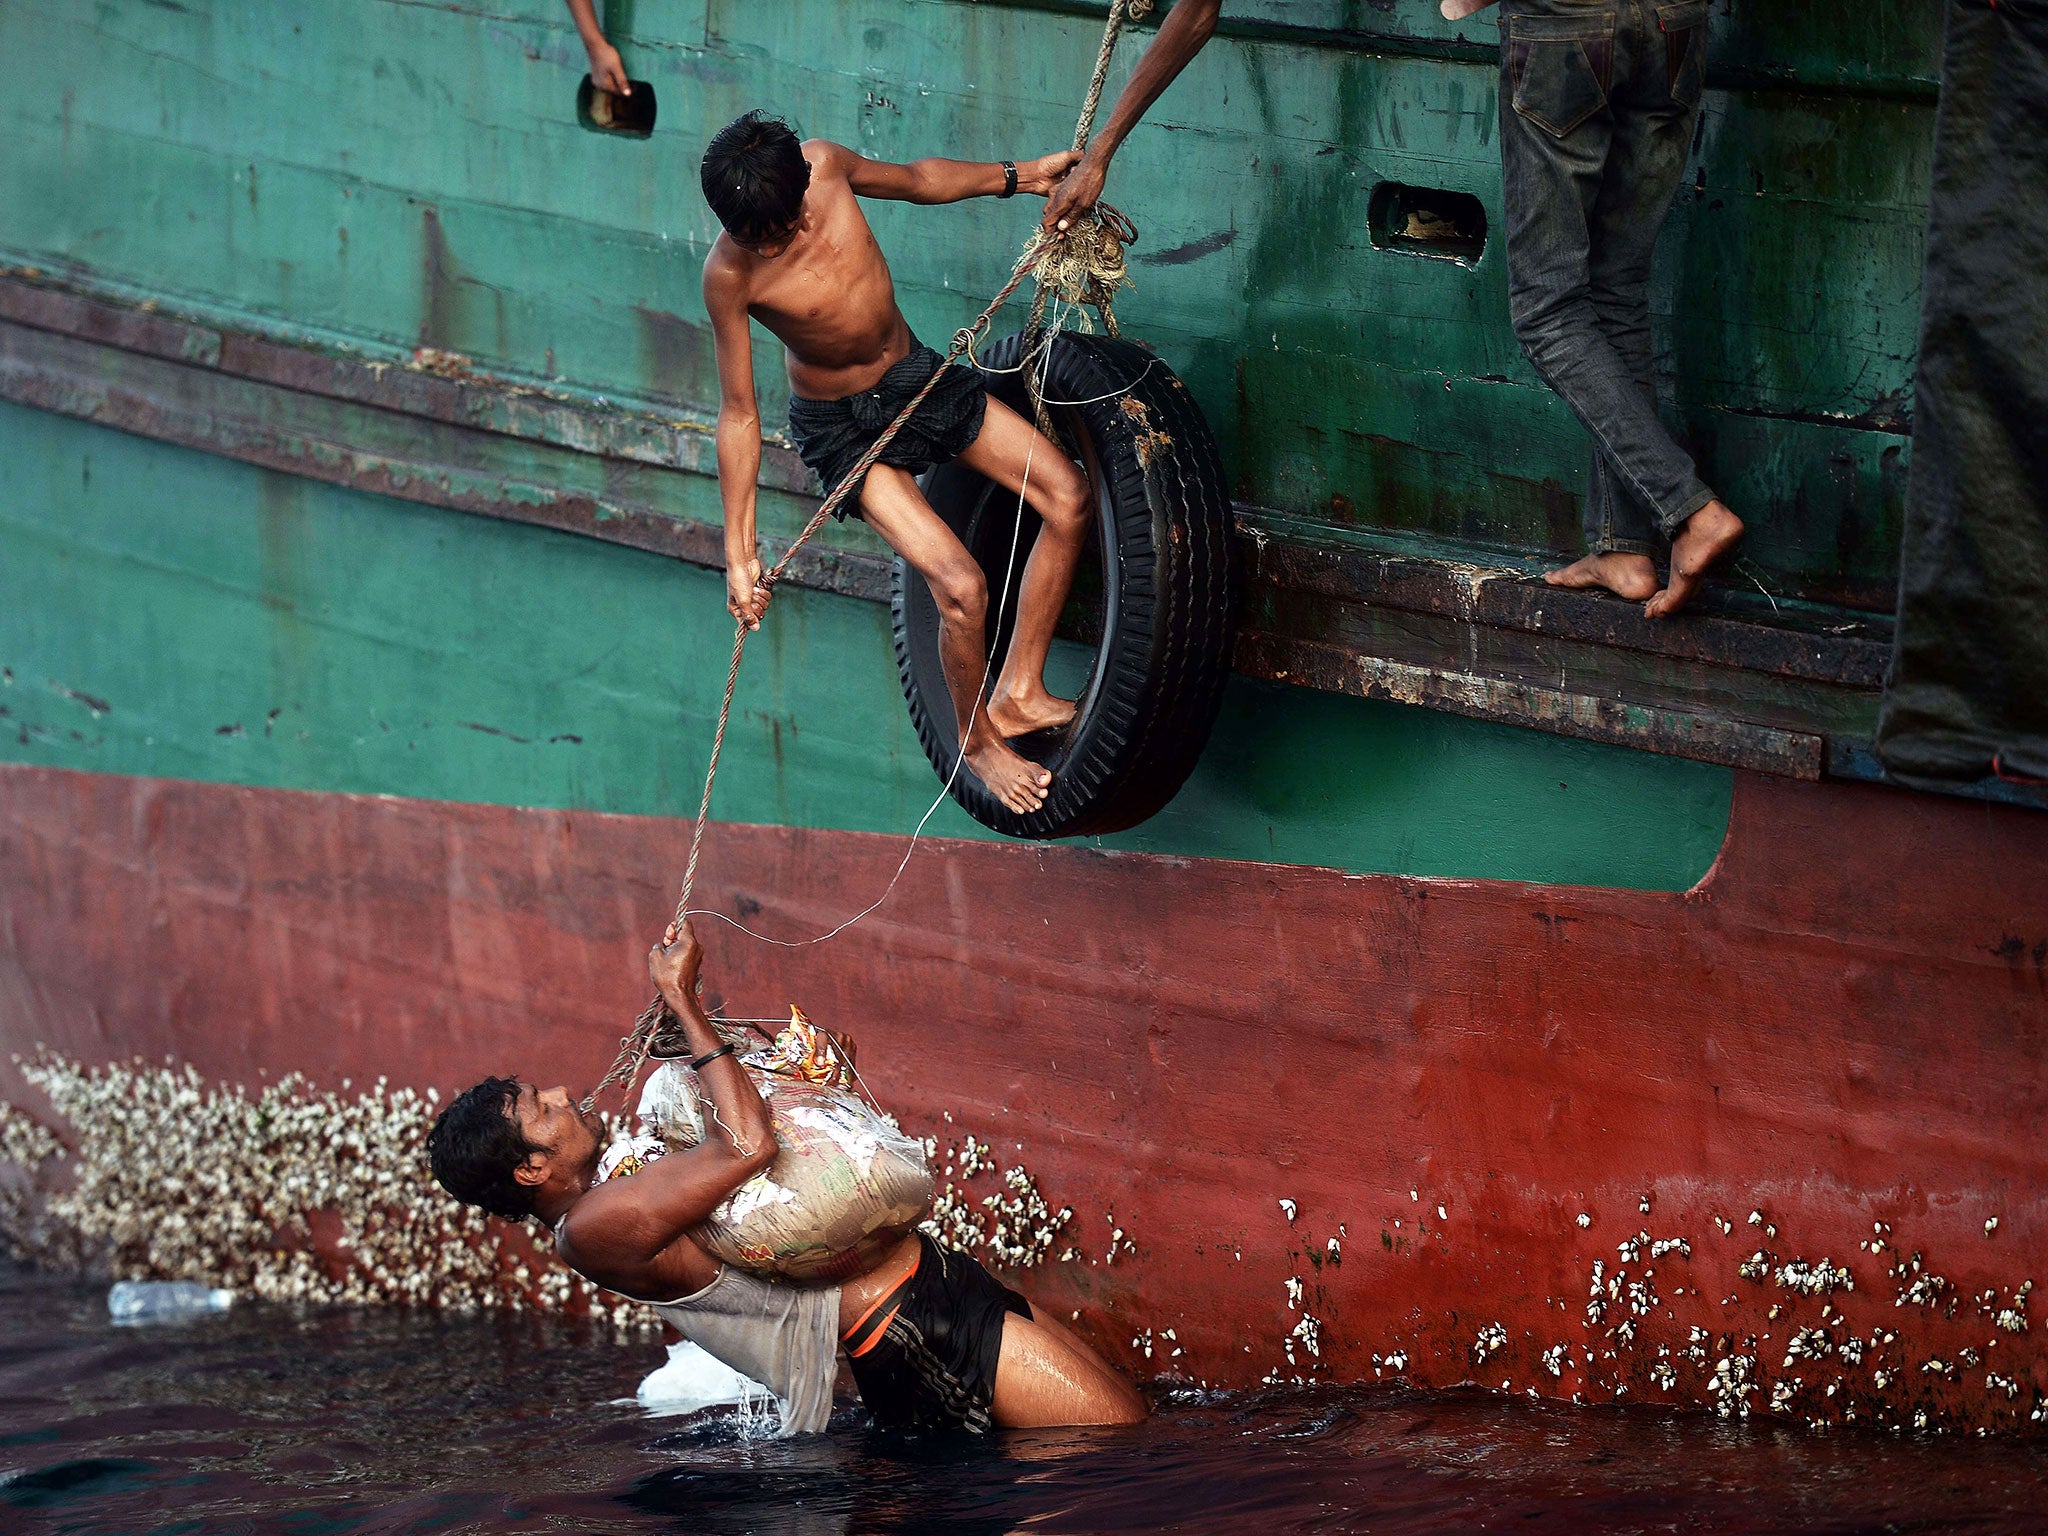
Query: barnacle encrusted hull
pixel 1436 1107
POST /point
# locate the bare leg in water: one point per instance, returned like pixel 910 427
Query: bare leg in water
pixel 896 509
pixel 1047 1376
pixel 1011 452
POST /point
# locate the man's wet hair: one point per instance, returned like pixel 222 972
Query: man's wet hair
pixel 476 1146
pixel 755 176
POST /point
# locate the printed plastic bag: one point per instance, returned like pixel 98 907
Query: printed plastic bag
pixel 846 1185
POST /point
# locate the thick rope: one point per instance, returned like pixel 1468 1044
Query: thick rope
pixel 1048 257
pixel 1106 239
pixel 636 1043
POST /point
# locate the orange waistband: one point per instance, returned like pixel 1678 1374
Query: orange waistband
pixel 868 1328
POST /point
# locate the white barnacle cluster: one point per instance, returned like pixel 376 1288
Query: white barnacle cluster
pixel 1492 1338
pixel 973 1157
pixel 26 1224
pixel 286 1193
pixel 1755 1267
pixel 1732 1384
pixel 1822 1279
pixel 1663 1375
pixel 2012 1316
pixel 1556 1358
pixel 1808 1344
pixel 1396 1362
pixel 1310 1332
pixel 1917 1287
pixel 1014 1224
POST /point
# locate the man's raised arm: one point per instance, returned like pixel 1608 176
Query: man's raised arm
pixel 620 1230
pixel 1181 36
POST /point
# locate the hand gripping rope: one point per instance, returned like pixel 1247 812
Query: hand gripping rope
pixel 1081 264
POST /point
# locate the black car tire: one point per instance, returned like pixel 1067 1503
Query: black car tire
pixel 1171 591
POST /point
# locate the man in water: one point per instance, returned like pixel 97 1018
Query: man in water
pixel 798 256
pixel 932 1339
pixel 1597 106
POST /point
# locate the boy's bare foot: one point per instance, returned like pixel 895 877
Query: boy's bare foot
pixel 1705 539
pixel 1013 716
pixel 1632 576
pixel 1016 781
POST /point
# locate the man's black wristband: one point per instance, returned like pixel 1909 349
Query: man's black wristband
pixel 1009 179
pixel 701 1062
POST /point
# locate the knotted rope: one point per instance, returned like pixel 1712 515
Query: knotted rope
pixel 1083 264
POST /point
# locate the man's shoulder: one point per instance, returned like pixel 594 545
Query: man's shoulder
pixel 829 158
pixel 726 269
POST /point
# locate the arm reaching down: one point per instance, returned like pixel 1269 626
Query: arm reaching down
pixel 607 72
pixel 738 437
pixel 1180 38
pixel 627 1235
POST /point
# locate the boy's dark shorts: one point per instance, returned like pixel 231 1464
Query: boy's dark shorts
pixel 932 1366
pixel 831 435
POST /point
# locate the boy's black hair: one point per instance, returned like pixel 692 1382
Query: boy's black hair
pixel 477 1143
pixel 755 176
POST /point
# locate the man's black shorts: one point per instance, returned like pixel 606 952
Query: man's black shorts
pixel 925 1356
pixel 831 435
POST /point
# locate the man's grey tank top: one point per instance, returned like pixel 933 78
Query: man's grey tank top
pixel 786 1337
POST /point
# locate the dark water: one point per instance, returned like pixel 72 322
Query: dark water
pixel 269 1420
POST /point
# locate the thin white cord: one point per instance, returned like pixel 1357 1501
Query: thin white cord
pixel 959 757
pixel 1026 361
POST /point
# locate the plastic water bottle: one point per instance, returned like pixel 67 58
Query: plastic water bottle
pixel 164 1301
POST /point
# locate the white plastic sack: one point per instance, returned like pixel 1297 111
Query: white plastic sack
pixel 692 1378
pixel 846 1185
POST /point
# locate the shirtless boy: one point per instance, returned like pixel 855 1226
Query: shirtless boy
pixel 932 1339
pixel 798 256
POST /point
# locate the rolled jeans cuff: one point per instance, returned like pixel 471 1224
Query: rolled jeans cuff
pixel 1669 523
pixel 1611 546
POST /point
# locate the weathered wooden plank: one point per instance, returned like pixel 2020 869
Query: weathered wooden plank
pixel 1707 738
pixel 467 442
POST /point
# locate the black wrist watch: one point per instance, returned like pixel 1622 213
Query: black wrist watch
pixel 1009 179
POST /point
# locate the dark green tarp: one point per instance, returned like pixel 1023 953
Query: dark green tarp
pixel 1968 691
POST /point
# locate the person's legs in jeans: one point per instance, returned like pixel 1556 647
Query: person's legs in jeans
pixel 1659 110
pixel 1571 164
pixel 1645 160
